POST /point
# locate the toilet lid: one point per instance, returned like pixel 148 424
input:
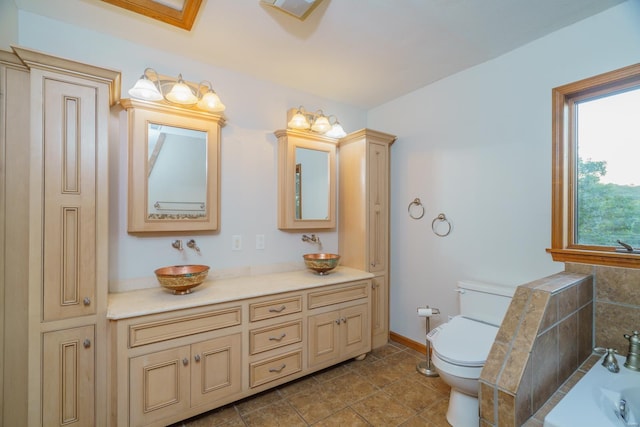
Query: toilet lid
pixel 463 341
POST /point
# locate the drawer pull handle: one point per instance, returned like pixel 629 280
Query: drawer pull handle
pixel 278 338
pixel 196 357
pixel 185 361
pixel 344 320
pixel 86 301
pixel 86 343
pixel 278 310
pixel 337 321
pixel 278 370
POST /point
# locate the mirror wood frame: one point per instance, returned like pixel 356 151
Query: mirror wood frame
pixel 288 141
pixel 139 114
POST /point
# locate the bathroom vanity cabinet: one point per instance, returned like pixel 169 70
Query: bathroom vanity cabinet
pixel 56 296
pixel 173 357
pixel 363 212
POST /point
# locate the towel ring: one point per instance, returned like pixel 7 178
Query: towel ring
pixel 440 218
pixel 416 210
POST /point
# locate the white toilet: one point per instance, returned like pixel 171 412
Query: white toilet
pixel 461 346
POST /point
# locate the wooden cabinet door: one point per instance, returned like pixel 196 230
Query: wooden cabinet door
pixel 378 178
pixel 68 377
pixel 379 311
pixel 215 370
pixel 159 385
pixel 69 139
pixel 355 334
pixel 323 337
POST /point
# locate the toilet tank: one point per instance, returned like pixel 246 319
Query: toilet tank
pixel 484 301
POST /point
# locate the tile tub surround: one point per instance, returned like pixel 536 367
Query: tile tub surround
pixel 617 304
pixel 546 335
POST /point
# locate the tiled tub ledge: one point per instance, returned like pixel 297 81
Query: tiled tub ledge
pixel 547 333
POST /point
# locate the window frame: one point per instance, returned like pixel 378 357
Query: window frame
pixel 563 180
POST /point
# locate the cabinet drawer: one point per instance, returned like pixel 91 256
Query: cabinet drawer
pixel 277 367
pixel 335 296
pixel 264 339
pixel 274 308
pixel 162 330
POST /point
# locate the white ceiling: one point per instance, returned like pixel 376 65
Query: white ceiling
pixel 360 52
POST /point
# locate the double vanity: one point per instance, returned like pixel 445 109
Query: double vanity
pixel 176 356
pixel 156 358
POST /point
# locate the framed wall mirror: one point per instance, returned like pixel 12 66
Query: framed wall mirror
pixel 174 168
pixel 307 183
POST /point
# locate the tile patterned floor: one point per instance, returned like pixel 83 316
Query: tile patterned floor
pixel 382 390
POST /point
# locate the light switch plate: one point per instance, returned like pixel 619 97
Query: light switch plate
pixel 236 242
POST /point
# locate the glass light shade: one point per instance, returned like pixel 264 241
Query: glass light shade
pixel 336 131
pixel 181 94
pixel 298 121
pixel 210 101
pixel 145 89
pixel 321 125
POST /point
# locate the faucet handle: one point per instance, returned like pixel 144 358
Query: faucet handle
pixel 609 361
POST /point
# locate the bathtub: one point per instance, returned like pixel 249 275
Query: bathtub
pixel 600 399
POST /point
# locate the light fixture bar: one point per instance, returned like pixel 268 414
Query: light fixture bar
pixel 318 122
pixel 156 87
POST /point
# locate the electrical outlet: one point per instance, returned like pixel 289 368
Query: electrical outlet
pixel 236 242
pixel 259 241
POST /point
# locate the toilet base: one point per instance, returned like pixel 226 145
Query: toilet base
pixel 463 410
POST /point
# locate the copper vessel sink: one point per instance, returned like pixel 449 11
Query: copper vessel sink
pixel 321 263
pixel 180 279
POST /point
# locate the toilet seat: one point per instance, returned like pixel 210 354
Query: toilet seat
pixel 463 342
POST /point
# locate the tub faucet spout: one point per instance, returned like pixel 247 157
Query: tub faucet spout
pixel 622 410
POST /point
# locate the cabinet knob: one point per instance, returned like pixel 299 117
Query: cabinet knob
pixel 196 357
pixel 337 321
pixel 185 361
pixel 86 301
pixel 343 319
pixel 86 343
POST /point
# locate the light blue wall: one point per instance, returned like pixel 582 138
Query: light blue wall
pixel 477 147
pixel 255 109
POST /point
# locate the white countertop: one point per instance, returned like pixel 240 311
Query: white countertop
pixel 157 300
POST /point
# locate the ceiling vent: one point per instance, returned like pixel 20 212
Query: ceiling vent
pixel 298 8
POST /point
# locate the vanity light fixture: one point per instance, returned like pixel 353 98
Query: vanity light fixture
pixel 152 86
pixel 317 122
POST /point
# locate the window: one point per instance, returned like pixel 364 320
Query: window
pixel 596 170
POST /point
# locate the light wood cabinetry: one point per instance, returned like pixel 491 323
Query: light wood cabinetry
pixel 338 335
pixel 364 216
pixel 69 375
pixel 174 364
pixel 275 339
pixel 306 180
pixel 62 310
pixel 172 381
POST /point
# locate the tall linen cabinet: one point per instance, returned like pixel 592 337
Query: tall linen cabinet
pixel 55 333
pixel 363 215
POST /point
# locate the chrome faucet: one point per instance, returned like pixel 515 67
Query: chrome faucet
pixel 192 244
pixel 177 244
pixel 313 239
pixel 633 357
pixel 622 410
